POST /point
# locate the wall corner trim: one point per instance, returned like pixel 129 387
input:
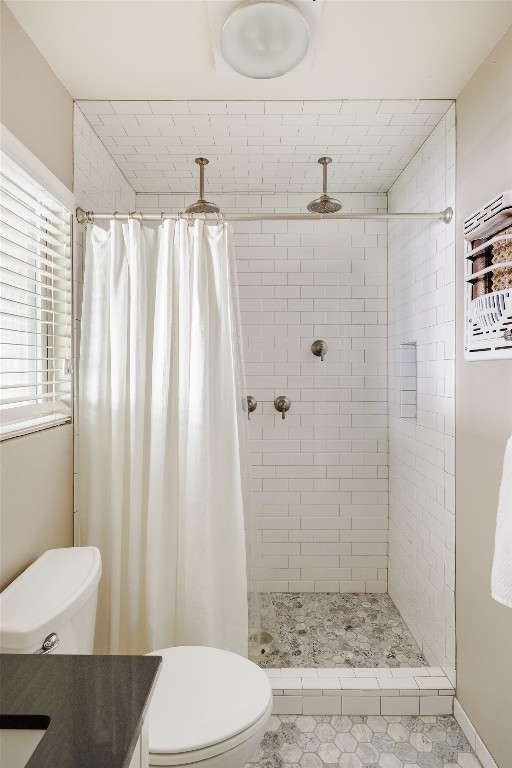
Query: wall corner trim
pixel 472 736
pixel 18 152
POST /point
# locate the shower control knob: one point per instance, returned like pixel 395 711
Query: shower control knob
pixel 282 404
pixel 252 404
pixel 319 348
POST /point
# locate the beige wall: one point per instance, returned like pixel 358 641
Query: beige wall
pixel 483 424
pixel 35 106
pixel 36 471
pixel 36 510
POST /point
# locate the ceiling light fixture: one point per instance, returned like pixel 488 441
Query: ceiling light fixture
pixel 264 38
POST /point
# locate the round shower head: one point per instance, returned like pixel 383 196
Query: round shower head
pixel 324 203
pixel 202 205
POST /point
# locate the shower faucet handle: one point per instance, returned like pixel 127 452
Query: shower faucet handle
pixel 319 348
pixel 282 404
pixel 252 404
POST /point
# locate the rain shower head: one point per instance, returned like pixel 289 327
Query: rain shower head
pixel 324 203
pixel 202 205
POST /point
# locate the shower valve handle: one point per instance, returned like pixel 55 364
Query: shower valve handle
pixel 319 348
pixel 252 404
pixel 282 404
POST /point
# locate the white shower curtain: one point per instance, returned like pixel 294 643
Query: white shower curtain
pixel 160 404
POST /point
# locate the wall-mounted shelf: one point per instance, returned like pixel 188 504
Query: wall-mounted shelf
pixel 488 281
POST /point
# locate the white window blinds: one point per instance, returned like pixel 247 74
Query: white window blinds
pixel 35 304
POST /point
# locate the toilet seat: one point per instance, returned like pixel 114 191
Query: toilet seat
pixel 222 748
pixel 207 701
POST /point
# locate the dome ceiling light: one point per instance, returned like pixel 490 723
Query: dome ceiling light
pixel 264 39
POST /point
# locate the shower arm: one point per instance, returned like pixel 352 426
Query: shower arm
pixel 201 161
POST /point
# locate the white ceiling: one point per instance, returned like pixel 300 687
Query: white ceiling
pixel 126 49
pixel 258 146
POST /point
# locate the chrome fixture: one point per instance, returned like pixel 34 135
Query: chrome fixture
pixel 49 644
pixel 87 217
pixel 319 348
pixel 252 404
pixel 324 203
pixel 282 404
pixel 264 38
pixel 202 205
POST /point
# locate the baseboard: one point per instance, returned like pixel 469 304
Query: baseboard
pixel 472 736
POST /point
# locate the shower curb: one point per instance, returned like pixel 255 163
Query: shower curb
pixel 361 691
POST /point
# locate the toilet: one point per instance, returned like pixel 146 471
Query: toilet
pixel 51 606
pixel 210 707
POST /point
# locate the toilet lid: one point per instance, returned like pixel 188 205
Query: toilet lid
pixel 204 696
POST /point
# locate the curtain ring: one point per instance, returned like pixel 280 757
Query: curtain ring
pixel 115 215
pixel 161 215
pixel 130 215
pixel 179 216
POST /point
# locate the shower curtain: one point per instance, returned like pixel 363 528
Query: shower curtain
pixel 161 436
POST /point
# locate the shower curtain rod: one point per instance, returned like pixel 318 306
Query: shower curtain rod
pixel 83 217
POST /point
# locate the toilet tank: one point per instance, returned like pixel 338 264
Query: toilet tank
pixel 56 594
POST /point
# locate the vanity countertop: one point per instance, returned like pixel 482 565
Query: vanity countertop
pixel 96 705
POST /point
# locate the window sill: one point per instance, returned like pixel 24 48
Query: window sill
pixel 29 426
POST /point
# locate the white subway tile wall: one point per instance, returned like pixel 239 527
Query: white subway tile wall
pixel 320 475
pixel 421 450
pixel 98 182
pixel 262 146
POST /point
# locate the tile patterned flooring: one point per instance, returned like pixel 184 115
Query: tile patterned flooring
pixel 300 741
pixel 329 629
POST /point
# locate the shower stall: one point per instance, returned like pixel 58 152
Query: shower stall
pixel 351 545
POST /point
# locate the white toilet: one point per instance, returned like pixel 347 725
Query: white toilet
pixel 210 707
pixel 51 607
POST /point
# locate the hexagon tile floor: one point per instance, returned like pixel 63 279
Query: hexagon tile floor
pixel 299 741
pixel 328 629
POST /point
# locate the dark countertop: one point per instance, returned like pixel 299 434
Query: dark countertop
pixel 96 705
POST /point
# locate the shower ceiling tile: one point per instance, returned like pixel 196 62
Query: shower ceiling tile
pixel 263 146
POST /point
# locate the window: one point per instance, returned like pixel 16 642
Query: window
pixel 35 304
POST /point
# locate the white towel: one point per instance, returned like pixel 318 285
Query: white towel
pixel 501 578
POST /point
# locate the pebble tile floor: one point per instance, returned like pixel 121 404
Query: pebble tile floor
pixel 300 741
pixel 329 629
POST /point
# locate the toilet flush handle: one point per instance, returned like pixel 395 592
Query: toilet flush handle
pixel 49 644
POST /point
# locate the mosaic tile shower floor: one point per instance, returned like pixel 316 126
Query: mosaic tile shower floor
pixel 329 629
pixel 299 741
